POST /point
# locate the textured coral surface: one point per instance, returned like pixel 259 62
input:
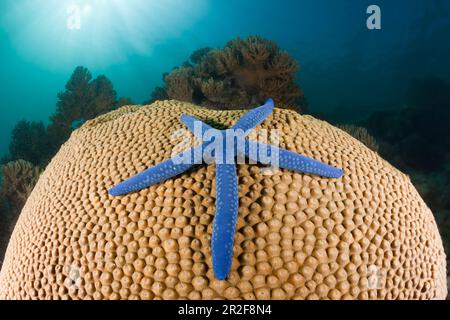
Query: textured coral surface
pixel 367 235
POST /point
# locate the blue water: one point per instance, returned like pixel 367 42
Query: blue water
pixel 344 66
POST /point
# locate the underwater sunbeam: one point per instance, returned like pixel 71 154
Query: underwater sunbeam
pixel 59 34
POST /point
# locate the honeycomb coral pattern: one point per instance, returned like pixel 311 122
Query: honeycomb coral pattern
pixel 367 235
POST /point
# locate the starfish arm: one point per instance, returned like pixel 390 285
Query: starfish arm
pixel 159 172
pixel 268 154
pixel 255 116
pixel 196 126
pixel 227 204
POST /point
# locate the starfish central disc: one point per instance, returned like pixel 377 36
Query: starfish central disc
pixel 223 146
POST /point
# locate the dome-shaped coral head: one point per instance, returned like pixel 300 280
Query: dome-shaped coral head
pixel 365 235
pixel 224 147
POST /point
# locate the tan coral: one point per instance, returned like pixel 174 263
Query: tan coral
pixel 213 90
pixel 368 235
pixel 18 180
pixel 179 84
pixel 245 73
pixel 254 65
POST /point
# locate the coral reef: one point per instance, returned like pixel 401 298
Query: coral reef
pixel 361 134
pixel 33 144
pixel 83 98
pixel 18 180
pixel 180 84
pixel 246 72
pixel 367 235
pixel 198 55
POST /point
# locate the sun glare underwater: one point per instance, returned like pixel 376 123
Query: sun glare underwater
pixel 60 32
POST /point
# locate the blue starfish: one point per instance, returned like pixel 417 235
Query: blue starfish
pixel 227 202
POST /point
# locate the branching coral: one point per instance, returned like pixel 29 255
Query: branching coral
pixel 180 84
pixel 245 72
pixel 103 98
pixel 83 98
pixel 199 54
pixel 18 180
pixel 361 134
pixel 159 93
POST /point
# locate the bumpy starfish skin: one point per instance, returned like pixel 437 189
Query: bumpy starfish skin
pixel 290 160
pixel 156 174
pixel 226 174
pixel 225 219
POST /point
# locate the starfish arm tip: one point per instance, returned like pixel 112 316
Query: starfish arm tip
pixel 335 173
pixel 220 274
pixel 114 191
pixel 186 117
pixel 254 117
